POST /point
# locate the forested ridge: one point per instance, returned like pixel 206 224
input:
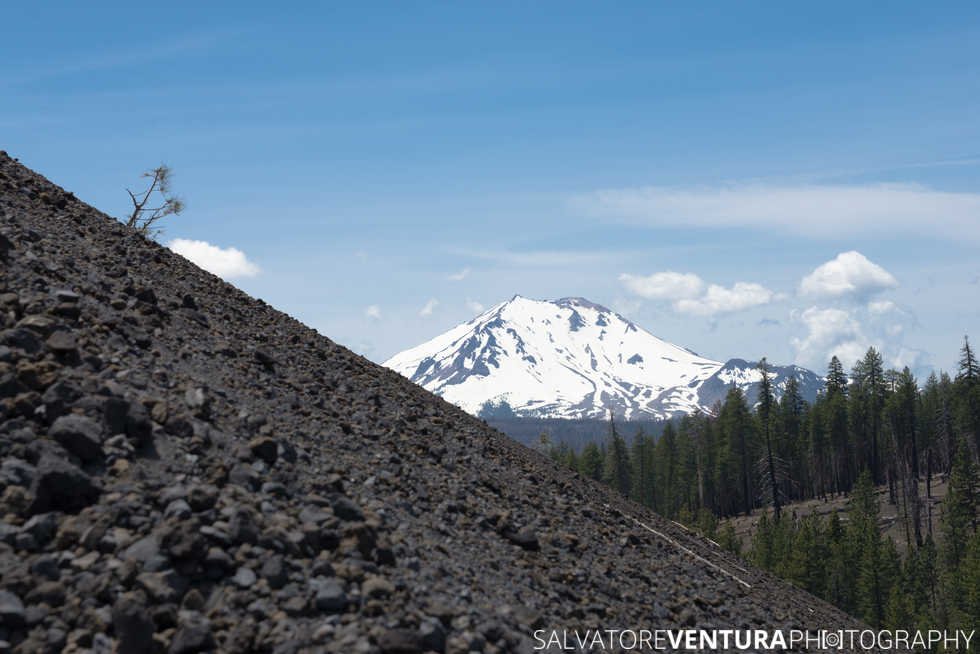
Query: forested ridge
pixel 871 428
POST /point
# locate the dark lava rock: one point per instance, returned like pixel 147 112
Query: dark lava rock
pixel 16 472
pixel 11 610
pixel 6 245
pixel 432 635
pixel 264 448
pixel 183 540
pixel 133 624
pixel 245 476
pixel 202 497
pixel 146 295
pixel 178 509
pixel 79 435
pixel 525 538
pixel 123 416
pixel 22 339
pixel 60 486
pixel 330 596
pixel 345 509
pixel 400 641
pixel 114 411
pixel 62 342
pixel 145 551
pixel 274 572
pixel 193 634
pixel 58 397
pixel 265 359
pixel 41 527
pixel 377 587
pixel 67 296
pixel 244 578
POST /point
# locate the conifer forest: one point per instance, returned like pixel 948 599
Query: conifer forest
pixel 872 432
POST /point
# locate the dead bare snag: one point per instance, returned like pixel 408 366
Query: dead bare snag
pixel 144 217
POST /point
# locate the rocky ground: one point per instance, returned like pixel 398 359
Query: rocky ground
pixel 186 469
pixel 890 519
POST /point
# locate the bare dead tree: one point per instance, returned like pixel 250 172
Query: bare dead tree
pixel 154 203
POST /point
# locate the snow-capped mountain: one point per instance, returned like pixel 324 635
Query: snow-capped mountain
pixel 746 375
pixel 568 358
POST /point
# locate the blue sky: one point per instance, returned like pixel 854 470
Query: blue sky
pixel 388 168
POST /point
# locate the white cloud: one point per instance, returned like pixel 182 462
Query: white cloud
pixel 227 263
pixel 688 294
pixel 880 307
pixel 848 274
pixel 718 299
pixel 429 307
pixel 829 332
pixel 667 285
pixel 460 276
pixel 824 211
pixel 849 332
pixel 474 306
pixel 373 312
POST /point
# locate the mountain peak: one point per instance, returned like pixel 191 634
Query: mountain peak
pixel 581 302
pixel 574 358
pixel 564 358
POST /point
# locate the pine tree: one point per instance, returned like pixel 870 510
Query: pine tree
pixel 617 464
pixel 735 424
pixel 968 384
pixel 899 610
pixel 591 463
pixel 835 417
pixel 699 432
pixel 665 472
pixel 642 458
pixel 959 518
pixel 685 471
pixel 969 367
pixel 839 582
pixel 761 548
pixel 791 444
pixel 836 377
pixel 564 455
pixel 707 523
pixel 728 539
pixel 970 580
pixel 901 420
pixel 946 419
pixel 811 554
pixel 765 412
pixel 869 373
pixel 874 558
pixel 835 426
pixel 929 429
pixel 920 583
pixel 819 452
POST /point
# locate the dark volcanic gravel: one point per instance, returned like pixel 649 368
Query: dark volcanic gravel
pixel 186 469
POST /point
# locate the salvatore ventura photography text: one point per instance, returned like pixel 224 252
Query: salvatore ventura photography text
pixel 701 640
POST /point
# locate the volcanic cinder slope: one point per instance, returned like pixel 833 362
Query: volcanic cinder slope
pixel 186 469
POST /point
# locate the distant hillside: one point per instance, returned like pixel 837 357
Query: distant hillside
pixel 575 433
